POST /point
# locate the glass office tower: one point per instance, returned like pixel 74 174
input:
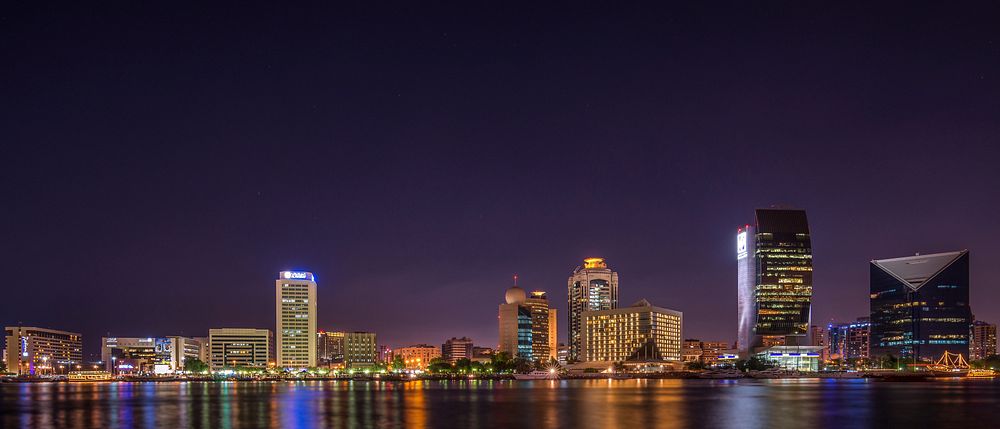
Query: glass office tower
pixel 920 306
pixel 774 260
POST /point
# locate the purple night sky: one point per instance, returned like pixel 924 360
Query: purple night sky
pixel 163 163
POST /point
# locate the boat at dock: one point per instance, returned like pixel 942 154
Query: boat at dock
pixel 537 375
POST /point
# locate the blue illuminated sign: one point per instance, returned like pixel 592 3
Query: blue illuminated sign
pixel 297 275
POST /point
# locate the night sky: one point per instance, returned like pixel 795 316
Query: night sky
pixel 162 163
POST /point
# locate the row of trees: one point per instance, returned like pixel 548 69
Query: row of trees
pixel 500 363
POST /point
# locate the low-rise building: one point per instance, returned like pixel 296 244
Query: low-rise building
pixel 329 348
pixel 159 355
pixel 236 347
pixel 34 351
pixel 417 356
pixel 456 348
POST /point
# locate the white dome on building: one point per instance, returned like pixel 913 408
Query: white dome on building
pixel 516 295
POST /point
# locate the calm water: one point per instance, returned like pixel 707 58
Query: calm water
pixel 506 404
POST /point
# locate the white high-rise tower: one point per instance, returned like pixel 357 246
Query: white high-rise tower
pixel 295 308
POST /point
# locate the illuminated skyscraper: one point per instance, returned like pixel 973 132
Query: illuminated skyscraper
pixel 920 306
pixel 774 259
pixel 295 310
pixel 592 287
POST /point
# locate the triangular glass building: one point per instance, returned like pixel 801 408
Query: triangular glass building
pixel 920 306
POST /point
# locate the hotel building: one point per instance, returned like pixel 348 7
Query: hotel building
pixel 640 333
pixel 295 309
pixel 774 280
pixel 920 306
pixel 592 287
pixel 32 350
pixel 360 350
pixel 418 356
pixel 232 347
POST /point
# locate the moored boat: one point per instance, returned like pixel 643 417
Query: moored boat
pixel 537 375
pixel 981 373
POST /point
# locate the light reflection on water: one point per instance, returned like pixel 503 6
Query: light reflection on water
pixel 753 404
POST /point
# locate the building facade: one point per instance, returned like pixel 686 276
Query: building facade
pixel 819 338
pixel 538 303
pixel 329 348
pixel 526 329
pixel 457 348
pixel 691 350
pixel 982 340
pixel 295 313
pixel 239 347
pixel 638 333
pixel 774 271
pixel 149 355
pixel 849 341
pixel 514 317
pixel 417 357
pixel 360 350
pixel 32 350
pixel 591 287
pixel 553 334
pixel 920 306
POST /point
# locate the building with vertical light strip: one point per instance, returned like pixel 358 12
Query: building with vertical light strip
pixel 295 309
pixel 592 287
pixel 553 334
pixel 774 281
pixel 35 351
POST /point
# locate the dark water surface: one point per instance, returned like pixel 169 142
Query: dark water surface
pixel 506 404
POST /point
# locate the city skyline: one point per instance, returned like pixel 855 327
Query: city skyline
pixel 162 167
pixel 307 277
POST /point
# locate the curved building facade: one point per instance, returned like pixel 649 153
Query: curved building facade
pixel 592 287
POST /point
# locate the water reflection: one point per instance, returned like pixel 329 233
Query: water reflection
pixel 755 404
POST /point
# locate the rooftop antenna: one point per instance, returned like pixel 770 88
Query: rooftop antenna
pixel 515 279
